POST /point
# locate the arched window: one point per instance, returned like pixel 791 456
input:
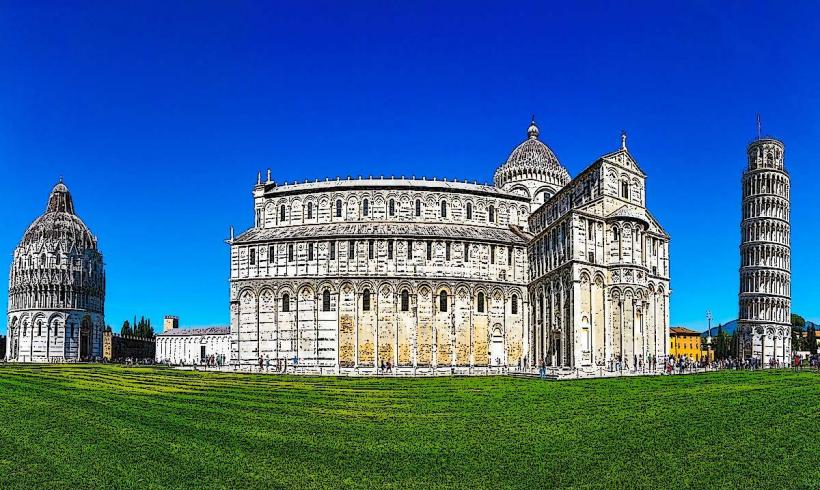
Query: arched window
pixel 418 207
pixel 466 252
pixel 392 207
pixel 310 211
pixel 442 301
pixel 253 256
pixel 310 251
pixel 43 260
pixel 39 328
pixel 326 300
pixel 469 210
pixel 366 207
pixel 480 302
pixel 616 234
pixel 338 208
pixel 443 209
pixel 290 252
pixel 514 304
pixel 57 258
pixel 405 300
pixel 285 302
pixel 625 189
pixel 282 213
pixel 491 214
pixel 366 300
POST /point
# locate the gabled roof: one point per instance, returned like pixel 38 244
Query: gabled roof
pixel 189 332
pixel 623 158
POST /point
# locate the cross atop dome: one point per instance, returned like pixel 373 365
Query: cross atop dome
pixel 532 131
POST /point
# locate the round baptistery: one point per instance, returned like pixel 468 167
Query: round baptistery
pixel 56 288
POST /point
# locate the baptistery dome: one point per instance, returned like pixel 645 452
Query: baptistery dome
pixel 60 225
pixel 56 288
pixel 532 169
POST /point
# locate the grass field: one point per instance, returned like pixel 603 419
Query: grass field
pixel 114 427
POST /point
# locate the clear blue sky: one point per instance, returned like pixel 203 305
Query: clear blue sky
pixel 159 115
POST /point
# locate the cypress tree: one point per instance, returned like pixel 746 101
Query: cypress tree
pixel 811 340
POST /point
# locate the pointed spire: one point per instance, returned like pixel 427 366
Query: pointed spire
pixel 231 233
pixel 623 139
pixel 268 176
pixel 259 177
pixel 532 131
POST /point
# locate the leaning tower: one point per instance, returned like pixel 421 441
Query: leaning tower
pixel 765 260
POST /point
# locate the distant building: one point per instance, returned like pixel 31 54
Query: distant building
pixel 684 342
pixel 56 288
pixel 170 322
pixel 193 345
pixel 117 347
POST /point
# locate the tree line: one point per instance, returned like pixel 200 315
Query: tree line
pixel 141 328
pixel 726 346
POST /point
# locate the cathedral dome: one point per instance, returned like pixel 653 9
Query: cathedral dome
pixel 59 225
pixel 532 160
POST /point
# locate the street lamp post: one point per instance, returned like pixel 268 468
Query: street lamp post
pixel 709 336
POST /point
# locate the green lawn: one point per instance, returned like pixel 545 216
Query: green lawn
pixel 114 427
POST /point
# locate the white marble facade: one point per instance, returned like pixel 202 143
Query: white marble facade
pixel 437 276
pixel 193 345
pixel 56 288
pixel 599 271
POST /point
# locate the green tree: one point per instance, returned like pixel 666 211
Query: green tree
pixel 811 339
pixel 143 328
pixel 721 342
pixel 798 324
pixel 126 328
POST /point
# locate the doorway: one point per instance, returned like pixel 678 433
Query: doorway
pixel 497 347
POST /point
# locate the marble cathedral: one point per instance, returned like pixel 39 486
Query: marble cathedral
pixel 437 276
